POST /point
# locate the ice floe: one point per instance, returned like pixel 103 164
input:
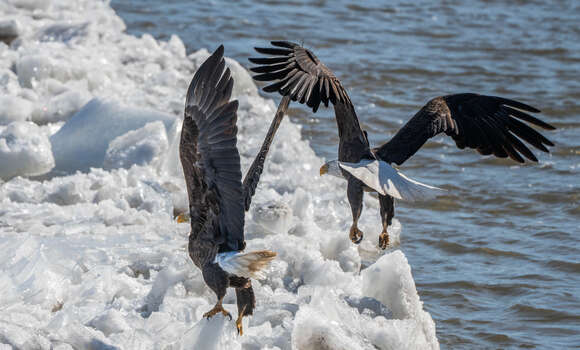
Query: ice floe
pixel 92 256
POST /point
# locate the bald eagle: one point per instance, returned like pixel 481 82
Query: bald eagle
pixel 217 196
pixel 489 124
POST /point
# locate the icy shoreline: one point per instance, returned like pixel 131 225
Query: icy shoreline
pixel 92 256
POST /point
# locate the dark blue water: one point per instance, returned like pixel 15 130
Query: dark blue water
pixel 496 261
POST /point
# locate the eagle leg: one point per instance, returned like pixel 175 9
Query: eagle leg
pixel 354 191
pixel 355 234
pixel 387 204
pixel 384 239
pixel 245 299
pixel 217 308
pixel 239 321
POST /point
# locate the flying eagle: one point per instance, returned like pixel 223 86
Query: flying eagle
pixel 217 196
pixel 489 124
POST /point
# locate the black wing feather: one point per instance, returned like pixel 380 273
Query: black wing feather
pixel 210 158
pixel 296 72
pixel 488 124
pixel 291 55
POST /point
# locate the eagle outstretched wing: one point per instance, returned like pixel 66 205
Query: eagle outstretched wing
pixel 255 171
pixel 209 156
pixel 298 73
pixel 489 124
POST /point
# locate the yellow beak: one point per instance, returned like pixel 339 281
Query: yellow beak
pixel 323 169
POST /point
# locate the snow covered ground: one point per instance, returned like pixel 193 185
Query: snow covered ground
pixel 91 256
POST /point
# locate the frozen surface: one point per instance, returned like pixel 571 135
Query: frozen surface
pixel 14 109
pixel 100 129
pixel 24 150
pixel 93 257
pixel 146 145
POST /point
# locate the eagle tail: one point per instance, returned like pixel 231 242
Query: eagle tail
pixel 249 265
pixel 386 180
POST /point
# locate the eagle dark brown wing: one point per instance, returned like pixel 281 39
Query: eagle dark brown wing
pixel 255 171
pixel 489 124
pixel 210 158
pixel 297 72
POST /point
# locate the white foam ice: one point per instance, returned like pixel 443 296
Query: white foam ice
pixel 92 255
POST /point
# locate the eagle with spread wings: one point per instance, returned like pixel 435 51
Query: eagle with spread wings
pixel 217 196
pixel 489 124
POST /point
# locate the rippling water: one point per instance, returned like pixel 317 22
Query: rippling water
pixel 496 259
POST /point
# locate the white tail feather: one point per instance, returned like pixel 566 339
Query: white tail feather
pixel 385 179
pixel 247 265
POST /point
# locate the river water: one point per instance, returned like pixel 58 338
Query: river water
pixel 496 260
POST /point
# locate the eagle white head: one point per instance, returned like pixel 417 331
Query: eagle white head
pixel 331 168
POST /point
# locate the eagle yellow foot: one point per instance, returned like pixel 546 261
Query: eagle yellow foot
pixel 384 240
pixel 181 218
pixel 217 308
pixel 239 322
pixel 355 235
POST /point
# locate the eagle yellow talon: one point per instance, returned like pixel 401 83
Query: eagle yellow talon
pixel 181 218
pixel 324 169
pixel 384 240
pixel 355 235
pixel 239 322
pixel 217 308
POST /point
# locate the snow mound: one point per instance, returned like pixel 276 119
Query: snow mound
pixel 142 146
pixel 83 141
pixel 329 321
pixel 389 280
pixel 14 109
pixel 24 150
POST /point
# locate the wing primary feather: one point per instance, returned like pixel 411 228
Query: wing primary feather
pixel 516 104
pixel 273 51
pixel 286 44
pixel 268 60
pixel 308 95
pixel 270 68
pixel 290 83
pixel 521 147
pixel 297 86
pixel 326 90
pixel 335 97
pixel 210 93
pixel 274 87
pixel 272 75
pixel 527 134
pixel 530 119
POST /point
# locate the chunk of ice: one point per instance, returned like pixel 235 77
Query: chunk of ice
pixel 146 145
pixel 83 141
pixel 14 109
pixel 24 150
